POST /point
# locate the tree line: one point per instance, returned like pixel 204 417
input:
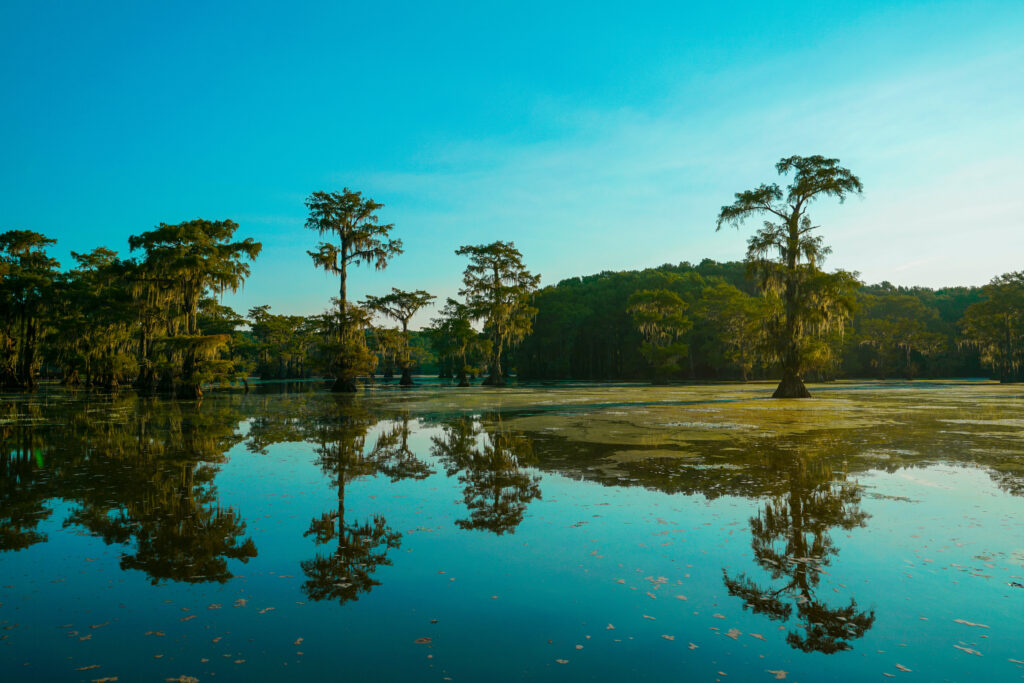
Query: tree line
pixel 154 320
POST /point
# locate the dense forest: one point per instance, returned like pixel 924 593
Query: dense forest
pixel 156 320
pixel 583 330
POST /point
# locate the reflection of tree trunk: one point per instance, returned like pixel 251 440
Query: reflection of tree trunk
pixel 341 514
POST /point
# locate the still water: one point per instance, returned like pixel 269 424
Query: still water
pixel 582 532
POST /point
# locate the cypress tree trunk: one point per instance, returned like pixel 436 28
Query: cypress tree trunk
pixel 495 378
pixel 791 386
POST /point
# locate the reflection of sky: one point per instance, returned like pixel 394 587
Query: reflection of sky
pixel 593 139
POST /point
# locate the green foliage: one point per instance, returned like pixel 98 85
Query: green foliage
pixel 26 293
pixel 732 323
pixel 498 291
pixel 461 349
pixel 995 326
pixel 181 264
pixel 359 237
pixel 784 257
pixel 342 346
pixel 156 321
pixel 400 306
pixel 660 316
pixel 280 346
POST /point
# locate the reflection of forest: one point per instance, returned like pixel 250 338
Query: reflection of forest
pixel 489 463
pixel 139 473
pixel 806 495
pixel 338 427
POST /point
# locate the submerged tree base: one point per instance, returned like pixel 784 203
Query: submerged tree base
pixel 791 386
pixel 494 381
pixel 344 385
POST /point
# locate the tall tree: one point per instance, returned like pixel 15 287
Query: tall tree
pixel 498 290
pixel 401 306
pixel 785 256
pixel 660 315
pixel 25 293
pixel 352 222
pixel 192 260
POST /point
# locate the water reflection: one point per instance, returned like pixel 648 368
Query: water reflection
pixel 791 543
pixel 360 546
pixel 489 464
pixel 138 473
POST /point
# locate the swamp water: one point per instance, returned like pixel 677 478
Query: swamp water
pixel 571 532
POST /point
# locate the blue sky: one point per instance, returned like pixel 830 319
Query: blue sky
pixel 593 136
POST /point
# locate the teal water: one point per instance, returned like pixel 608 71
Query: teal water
pixel 444 535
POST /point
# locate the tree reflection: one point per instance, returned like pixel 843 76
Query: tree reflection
pixel 23 485
pixel 489 463
pixel 791 543
pixel 360 547
pixel 139 473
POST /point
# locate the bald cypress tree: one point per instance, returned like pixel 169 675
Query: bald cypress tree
pixel 182 263
pixel 785 256
pixel 401 306
pixel 355 236
pixel 498 289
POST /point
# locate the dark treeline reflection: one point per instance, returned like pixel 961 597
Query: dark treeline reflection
pixel 137 472
pixel 488 461
pixel 806 494
pixel 140 474
pixel 791 543
pixel 349 550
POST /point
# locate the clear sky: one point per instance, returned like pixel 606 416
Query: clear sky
pixel 595 136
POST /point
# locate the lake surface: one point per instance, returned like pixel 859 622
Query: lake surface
pixel 589 532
